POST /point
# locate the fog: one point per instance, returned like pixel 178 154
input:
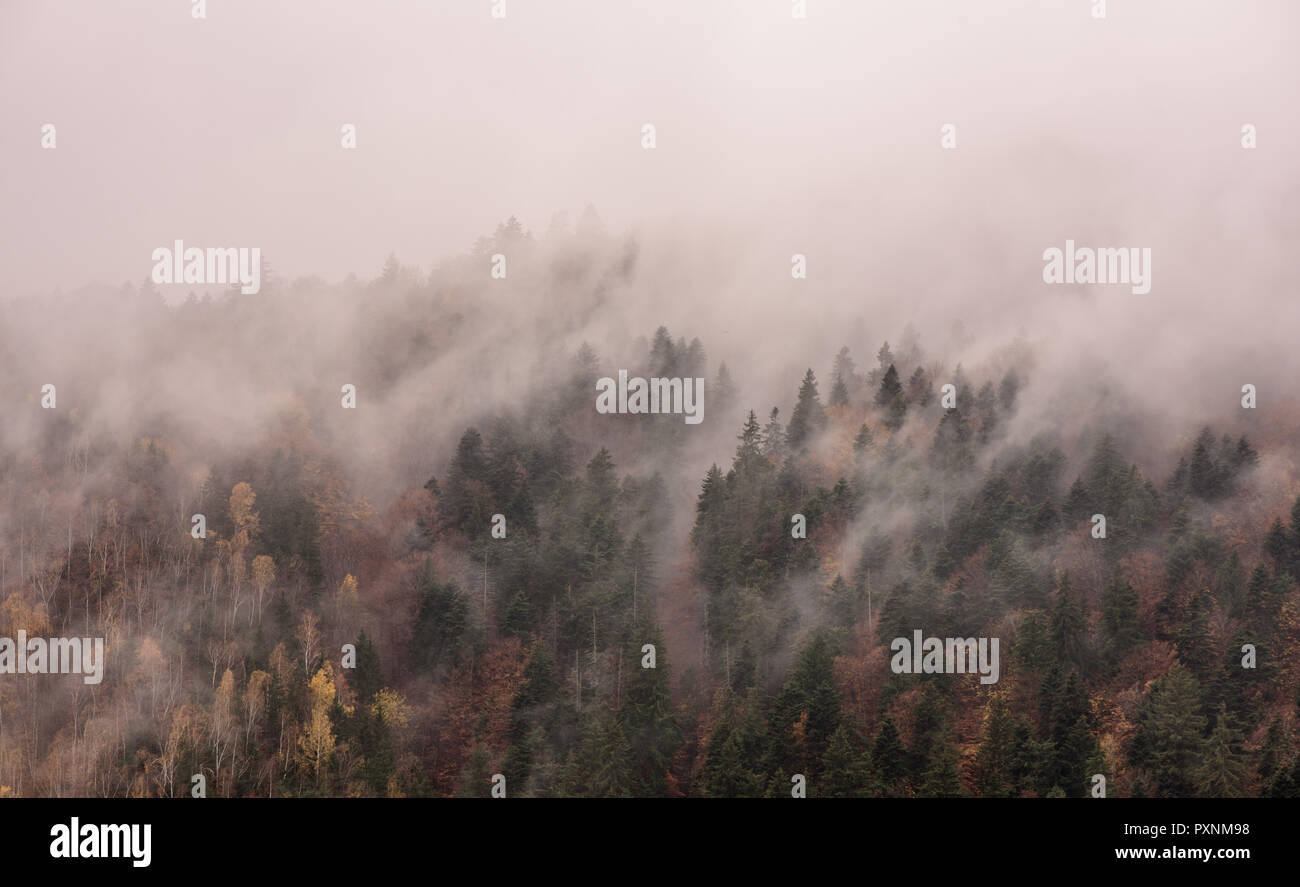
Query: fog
pixel 774 136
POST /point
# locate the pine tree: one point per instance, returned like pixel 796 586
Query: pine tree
pixel 726 771
pixel 810 697
pixel 1193 635
pixel 1232 584
pixel 1067 625
pixel 863 443
pixel 1205 477
pixel 1070 753
pixel 663 355
pixel 518 618
pixel 441 619
pixel 845 370
pixel 1077 503
pixel 367 678
pixel 466 502
pixel 707 536
pixel 919 389
pixel 749 454
pixel 890 388
pixel 950 452
pixel 1119 613
pixel 1168 739
pixel 845 771
pixel 1222 772
pixel 1244 456
pixel 774 437
pixel 840 605
pixel 889 758
pixel 942 779
pixel 995 762
pixel 884 357
pixel 603 765
pixel 1008 389
pixel 809 416
pixel 529 711
pixel 839 392
pixel 1278 545
pixel 646 717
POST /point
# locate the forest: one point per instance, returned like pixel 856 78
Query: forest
pixel 1164 656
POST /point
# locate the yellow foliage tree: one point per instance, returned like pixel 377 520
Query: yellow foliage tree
pixel 242 514
pixel 263 576
pixel 392 706
pixel 317 741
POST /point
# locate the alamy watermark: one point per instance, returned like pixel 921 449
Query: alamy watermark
pixel 638 395
pixel 1105 264
pixel 946 656
pixel 242 265
pixel 90 841
pixel 83 656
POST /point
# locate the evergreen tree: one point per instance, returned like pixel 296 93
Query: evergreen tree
pixel 839 392
pixel 663 355
pixel 1168 739
pixel 1278 545
pixel 367 677
pixel 518 618
pixel 942 779
pixel 1119 614
pixel 1000 753
pixel 466 502
pixel 1067 625
pixel 845 370
pixel 950 452
pixel 885 357
pixel 774 437
pixel 646 717
pixel 809 416
pixel 863 443
pixel 889 758
pixel 1222 772
pixel 846 770
pixel 1193 635
pixel 441 619
pixel 919 389
pixel 749 459
pixel 1070 753
pixel 1008 389
pixel 810 699
pixel 727 772
pixel 1078 503
pixel 890 388
pixel 603 766
pixel 1205 476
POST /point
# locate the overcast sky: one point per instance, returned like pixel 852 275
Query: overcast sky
pixel 226 131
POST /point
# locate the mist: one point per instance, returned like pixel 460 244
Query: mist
pixel 774 138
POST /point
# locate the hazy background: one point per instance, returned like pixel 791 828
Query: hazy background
pixel 775 136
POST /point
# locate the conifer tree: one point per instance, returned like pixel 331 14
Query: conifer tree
pixel 774 437
pixel 890 388
pixel 1119 613
pixel 889 758
pixel 863 443
pixel 1168 739
pixel 846 771
pixel 809 416
pixel 839 392
pixel 1222 772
